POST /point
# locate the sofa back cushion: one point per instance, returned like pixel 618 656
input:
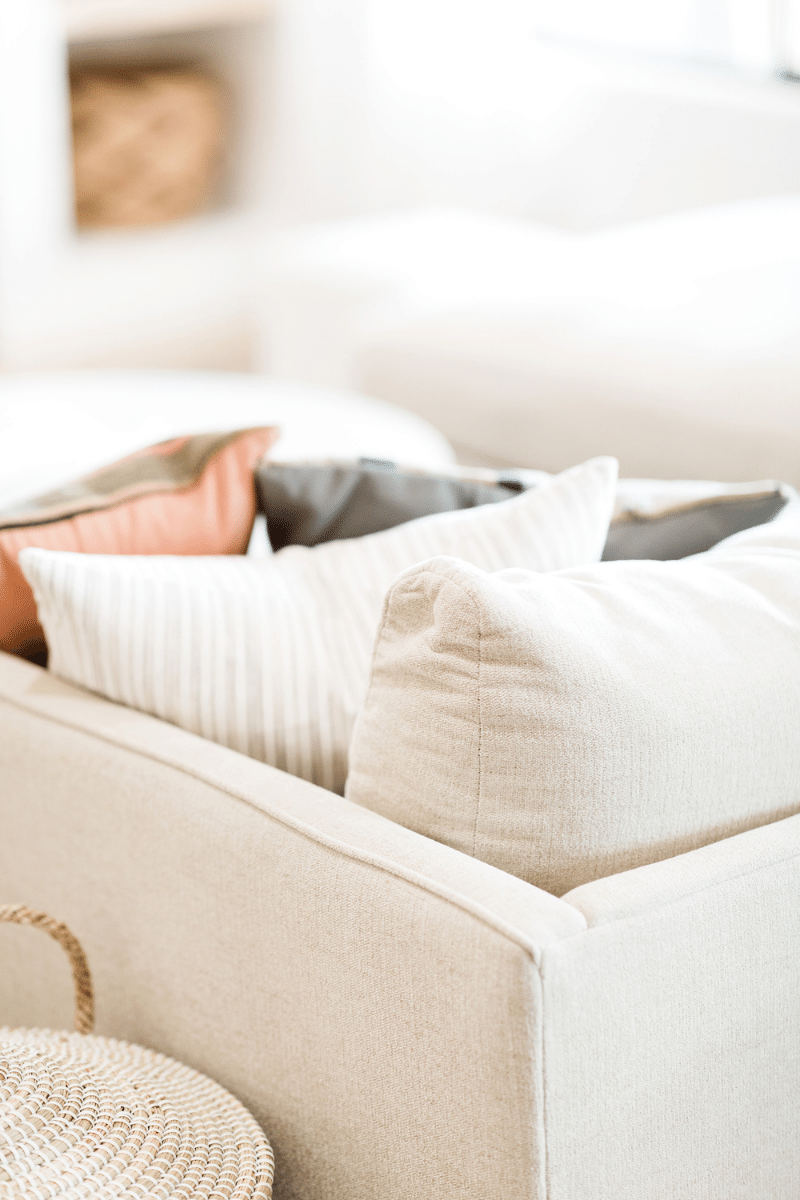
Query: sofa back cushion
pixel 569 726
pixel 271 656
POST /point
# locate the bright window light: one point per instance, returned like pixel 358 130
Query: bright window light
pixel 742 33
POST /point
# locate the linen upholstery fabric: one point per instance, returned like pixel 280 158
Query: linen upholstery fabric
pixel 375 998
pixel 190 495
pixel 570 726
pixel 309 503
pixel 271 656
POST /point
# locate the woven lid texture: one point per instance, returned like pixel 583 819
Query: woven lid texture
pixel 84 1116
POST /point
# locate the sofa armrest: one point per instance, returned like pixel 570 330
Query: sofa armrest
pixel 372 996
pixel 670 1028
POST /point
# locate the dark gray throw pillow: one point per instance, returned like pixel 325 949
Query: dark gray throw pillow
pixel 690 528
pixel 308 503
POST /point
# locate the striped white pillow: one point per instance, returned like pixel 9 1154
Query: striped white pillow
pixel 271 656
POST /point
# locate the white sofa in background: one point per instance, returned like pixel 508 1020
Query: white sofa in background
pixel 672 343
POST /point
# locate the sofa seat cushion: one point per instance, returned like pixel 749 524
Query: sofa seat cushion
pixel 565 727
pixel 271 656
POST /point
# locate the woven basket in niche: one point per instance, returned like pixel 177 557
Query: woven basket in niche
pixel 84 1116
pixel 147 144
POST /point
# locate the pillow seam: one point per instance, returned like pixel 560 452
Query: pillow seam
pixel 468 593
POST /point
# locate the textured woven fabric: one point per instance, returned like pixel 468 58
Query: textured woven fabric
pixel 271 657
pixel 369 995
pixel 670 1048
pixel 84 1117
pixel 404 1021
pixel 147 143
pixel 570 726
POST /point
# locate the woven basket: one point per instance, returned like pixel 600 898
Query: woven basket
pixel 146 144
pixel 84 1116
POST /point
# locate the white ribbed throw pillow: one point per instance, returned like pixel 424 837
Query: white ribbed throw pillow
pixel 271 656
pixel 569 726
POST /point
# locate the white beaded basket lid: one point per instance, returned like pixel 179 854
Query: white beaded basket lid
pixel 84 1116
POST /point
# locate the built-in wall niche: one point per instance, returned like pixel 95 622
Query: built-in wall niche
pixel 196 97
pixel 176 293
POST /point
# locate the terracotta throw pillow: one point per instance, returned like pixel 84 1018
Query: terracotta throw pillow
pixel 190 495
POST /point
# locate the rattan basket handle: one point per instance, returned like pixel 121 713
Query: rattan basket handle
pixel 19 914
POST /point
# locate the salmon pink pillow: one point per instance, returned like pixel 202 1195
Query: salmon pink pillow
pixel 190 495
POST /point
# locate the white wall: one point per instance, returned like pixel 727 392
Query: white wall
pixel 379 104
pixel 35 173
pixel 455 100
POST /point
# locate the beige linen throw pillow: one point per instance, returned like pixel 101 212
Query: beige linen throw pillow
pixel 271 656
pixel 565 727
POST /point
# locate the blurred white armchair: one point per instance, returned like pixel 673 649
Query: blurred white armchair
pixel 673 343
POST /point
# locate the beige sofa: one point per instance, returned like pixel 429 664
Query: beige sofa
pixel 406 1021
